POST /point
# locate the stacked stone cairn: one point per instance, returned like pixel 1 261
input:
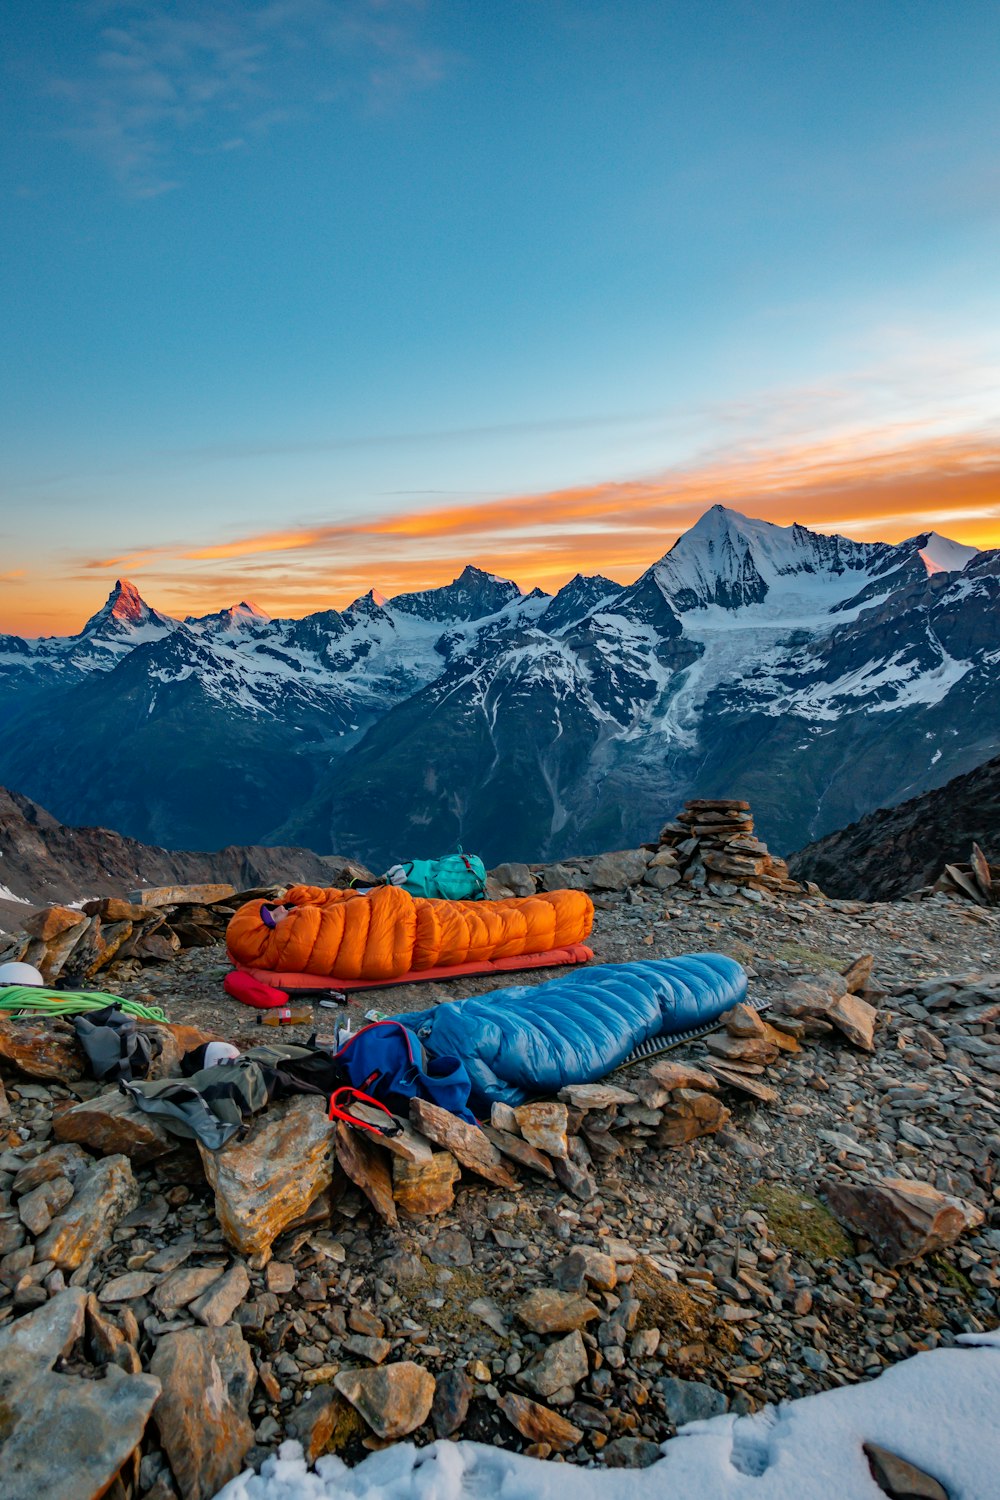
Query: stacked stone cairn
pixel 712 844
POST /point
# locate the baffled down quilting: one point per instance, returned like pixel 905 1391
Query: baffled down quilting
pixel 532 1040
pixel 386 932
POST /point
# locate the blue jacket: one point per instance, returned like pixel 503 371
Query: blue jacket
pixel 533 1040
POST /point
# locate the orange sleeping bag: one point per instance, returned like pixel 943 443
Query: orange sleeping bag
pixel 381 934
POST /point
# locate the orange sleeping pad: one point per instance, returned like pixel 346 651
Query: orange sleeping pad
pixel 377 936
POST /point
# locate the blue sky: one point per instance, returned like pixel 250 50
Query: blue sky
pixel 293 267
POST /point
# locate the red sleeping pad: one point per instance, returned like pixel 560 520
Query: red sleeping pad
pixel 573 953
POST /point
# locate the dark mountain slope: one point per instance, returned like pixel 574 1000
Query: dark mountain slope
pixel 43 860
pixel 900 849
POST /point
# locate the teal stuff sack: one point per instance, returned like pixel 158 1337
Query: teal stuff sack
pixel 456 877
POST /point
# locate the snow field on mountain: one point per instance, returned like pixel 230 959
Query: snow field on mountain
pixel 938 1410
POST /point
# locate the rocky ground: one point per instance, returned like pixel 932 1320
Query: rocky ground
pixel 697 1277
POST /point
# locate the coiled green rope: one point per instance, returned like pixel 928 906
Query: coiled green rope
pixel 27 1000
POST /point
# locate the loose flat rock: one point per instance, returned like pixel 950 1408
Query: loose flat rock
pixel 755 1048
pixel 690 1114
pixel 61 1161
pixel 183 1286
pixel 562 1363
pixel 407 1142
pixel 681 1075
pixel 208 1378
pixel 265 1182
pixel 394 1400
pixel 177 895
pixel 127 1288
pixel 855 1018
pixel 422 1189
pixel 101 1200
pixel 517 1149
pixel 902 1218
pixel 587 1096
pixel 111 1124
pixel 467 1143
pixel 901 1480
pixel 745 1082
pixel 538 1423
pixel 543 1124
pixel 547 1310
pixel 368 1168
pixel 690 1400
pixel 63 1437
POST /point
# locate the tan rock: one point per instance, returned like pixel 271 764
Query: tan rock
pixel 264 1182
pixel 37 1209
pixel 746 1083
pixel 543 1124
pixel 63 1437
pixel 539 1424
pixel 367 1166
pixel 128 1287
pixel 598 1268
pixel 427 1187
pixel 216 1306
pixel 467 1143
pixel 688 1115
pixel 546 1310
pixel 41 1049
pixel 858 973
pixel 208 1378
pixel 102 1198
pixel 183 1286
pixel 899 1479
pixel 588 1096
pixel 59 955
pixel 407 1142
pixel 394 1400
pixel 52 922
pixel 562 1363
pixel 60 1161
pixel 111 1124
pixel 502 1117
pixel 743 1020
pixel 681 1075
pixel 902 1218
pixel 324 1422
pixel 176 895
pixel 856 1019
pixel 756 1049
pixel 517 1149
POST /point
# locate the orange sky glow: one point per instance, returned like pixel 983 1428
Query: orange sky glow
pixel 878 487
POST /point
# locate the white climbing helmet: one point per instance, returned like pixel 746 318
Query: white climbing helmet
pixel 14 973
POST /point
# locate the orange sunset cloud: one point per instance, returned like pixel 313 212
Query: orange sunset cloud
pixel 884 485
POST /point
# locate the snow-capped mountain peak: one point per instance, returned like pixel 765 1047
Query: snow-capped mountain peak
pixel 126 620
pixel 941 555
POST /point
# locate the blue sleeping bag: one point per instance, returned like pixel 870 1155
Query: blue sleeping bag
pixel 533 1040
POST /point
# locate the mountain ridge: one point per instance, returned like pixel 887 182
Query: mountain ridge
pixel 817 674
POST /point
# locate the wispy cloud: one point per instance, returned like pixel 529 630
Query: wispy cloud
pixel 165 83
pixel 888 483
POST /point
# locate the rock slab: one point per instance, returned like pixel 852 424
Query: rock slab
pixel 208 1378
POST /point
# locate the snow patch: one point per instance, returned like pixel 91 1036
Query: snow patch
pixel 937 1410
pixel 8 895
